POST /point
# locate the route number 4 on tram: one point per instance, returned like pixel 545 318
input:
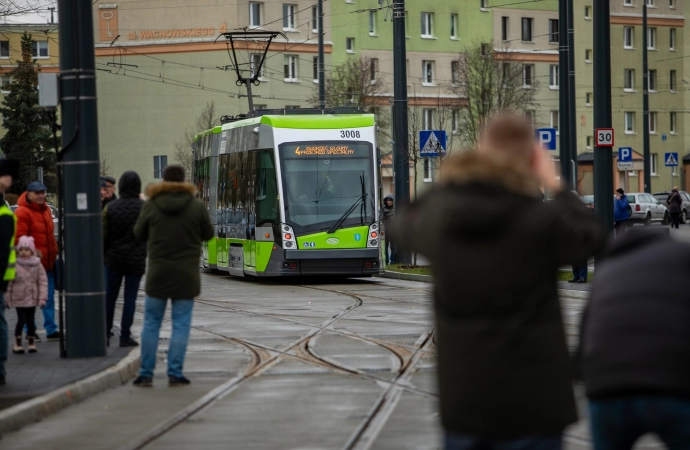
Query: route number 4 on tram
pixel 603 137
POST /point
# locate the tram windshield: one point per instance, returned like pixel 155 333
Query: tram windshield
pixel 322 181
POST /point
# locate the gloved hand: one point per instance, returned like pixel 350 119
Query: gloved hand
pixel 42 304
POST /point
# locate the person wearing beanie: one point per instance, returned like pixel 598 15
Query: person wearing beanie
pixel 621 211
pixel 125 256
pixel 28 290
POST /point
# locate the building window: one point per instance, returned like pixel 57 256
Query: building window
pixel 628 2
pixel 672 120
pixel 590 142
pixel 527 29
pixel 554 120
pixel 651 38
pixel 5 82
pixel 454 72
pixel 455 121
pixel 290 68
pixel 628 37
pixel 454 26
pixel 588 13
pixel 373 69
pixel 484 4
pixel 629 79
pixel 289 20
pixel 314 19
pixel 651 3
pixel 159 165
pixel 427 24
pixel 315 69
pixel 652 81
pixel 528 75
pixel 4 49
pixel 553 31
pixel 350 45
pixel 372 23
pixel 485 49
pixel 255 63
pixel 588 55
pixel 427 72
pixel 654 164
pixel 652 122
pixel 672 4
pixel 529 115
pixel 39 49
pixel 629 122
pixel 588 98
pixel 553 76
pixel 428 119
pixel 672 39
pixel 672 81
pixel 254 14
pixel 504 27
pixel 428 171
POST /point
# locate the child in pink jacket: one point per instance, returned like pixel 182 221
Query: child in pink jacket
pixel 28 290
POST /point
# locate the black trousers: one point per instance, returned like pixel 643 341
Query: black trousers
pixel 25 316
pixel 675 220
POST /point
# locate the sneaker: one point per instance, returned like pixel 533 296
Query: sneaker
pixel 53 336
pixel 178 381
pixel 143 381
pixel 36 338
pixel 128 342
pixel 581 281
pixel 574 280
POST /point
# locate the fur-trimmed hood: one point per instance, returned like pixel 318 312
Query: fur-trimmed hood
pixel 475 166
pixel 171 197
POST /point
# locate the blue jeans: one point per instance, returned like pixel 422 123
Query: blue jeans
pixel 181 322
pixel 459 441
pixel 617 422
pixel 580 270
pixel 49 310
pixel 112 289
pixel 3 335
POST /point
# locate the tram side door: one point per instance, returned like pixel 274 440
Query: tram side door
pixel 251 206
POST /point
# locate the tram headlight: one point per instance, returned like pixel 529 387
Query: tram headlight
pixel 374 243
pixel 373 236
pixel 288 237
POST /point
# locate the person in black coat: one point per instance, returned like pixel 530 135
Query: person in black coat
pixel 635 342
pixel 675 207
pixel 505 374
pixel 125 256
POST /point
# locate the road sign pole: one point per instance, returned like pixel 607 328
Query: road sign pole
pixel 603 157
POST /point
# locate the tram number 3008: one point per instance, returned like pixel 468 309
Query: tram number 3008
pixel 349 134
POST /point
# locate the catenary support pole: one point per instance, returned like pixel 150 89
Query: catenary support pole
pixel 647 164
pixel 572 102
pixel 563 107
pixel 322 77
pixel 400 149
pixel 83 275
pixel 603 156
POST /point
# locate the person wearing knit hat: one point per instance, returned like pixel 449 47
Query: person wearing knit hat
pixel 28 290
pixel 621 211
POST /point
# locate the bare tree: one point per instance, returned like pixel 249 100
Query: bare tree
pixel 489 81
pixel 9 8
pixel 183 148
pixel 105 167
pixel 358 82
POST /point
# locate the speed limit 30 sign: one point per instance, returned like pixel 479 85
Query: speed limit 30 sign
pixel 603 137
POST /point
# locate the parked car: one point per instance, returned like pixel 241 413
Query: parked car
pixel 588 200
pixel 647 209
pixel 663 196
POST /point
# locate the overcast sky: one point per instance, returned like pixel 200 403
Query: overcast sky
pixel 40 17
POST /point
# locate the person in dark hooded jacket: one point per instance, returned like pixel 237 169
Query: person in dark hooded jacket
pixel 387 213
pixel 675 207
pixel 505 373
pixel 125 256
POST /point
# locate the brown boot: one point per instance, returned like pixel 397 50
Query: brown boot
pixel 32 345
pixel 18 345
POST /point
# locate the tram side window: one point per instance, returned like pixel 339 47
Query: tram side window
pixel 250 176
pixel 266 189
pixel 222 205
pixel 232 187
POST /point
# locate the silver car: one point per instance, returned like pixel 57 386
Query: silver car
pixel 685 207
pixel 647 209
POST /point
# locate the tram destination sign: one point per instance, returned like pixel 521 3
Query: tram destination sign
pixel 320 149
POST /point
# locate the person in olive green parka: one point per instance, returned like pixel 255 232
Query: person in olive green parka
pixel 174 224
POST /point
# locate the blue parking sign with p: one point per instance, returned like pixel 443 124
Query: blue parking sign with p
pixel 625 154
pixel 546 138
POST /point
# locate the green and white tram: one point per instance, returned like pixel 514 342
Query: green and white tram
pixel 291 193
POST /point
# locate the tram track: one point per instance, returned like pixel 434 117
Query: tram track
pixel 302 349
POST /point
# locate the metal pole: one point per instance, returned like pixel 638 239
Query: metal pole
pixel 83 274
pixel 563 79
pixel 250 99
pixel 322 75
pixel 645 104
pixel 401 165
pixel 572 103
pixel 603 156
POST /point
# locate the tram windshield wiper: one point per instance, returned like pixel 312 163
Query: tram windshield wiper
pixel 347 213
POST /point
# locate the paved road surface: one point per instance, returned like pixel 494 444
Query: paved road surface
pixel 346 364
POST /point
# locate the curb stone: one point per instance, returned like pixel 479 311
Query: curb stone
pixel 567 293
pixel 38 408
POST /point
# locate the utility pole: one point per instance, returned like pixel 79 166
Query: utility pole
pixel 322 76
pixel 83 274
pixel 563 106
pixel 572 102
pixel 647 164
pixel 52 17
pixel 603 156
pixel 401 166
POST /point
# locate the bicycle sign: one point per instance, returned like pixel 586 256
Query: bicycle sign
pixel 603 137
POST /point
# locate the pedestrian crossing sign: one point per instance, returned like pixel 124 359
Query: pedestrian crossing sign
pixel 671 159
pixel 432 143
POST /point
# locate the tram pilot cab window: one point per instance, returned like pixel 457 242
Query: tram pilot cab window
pixel 159 165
